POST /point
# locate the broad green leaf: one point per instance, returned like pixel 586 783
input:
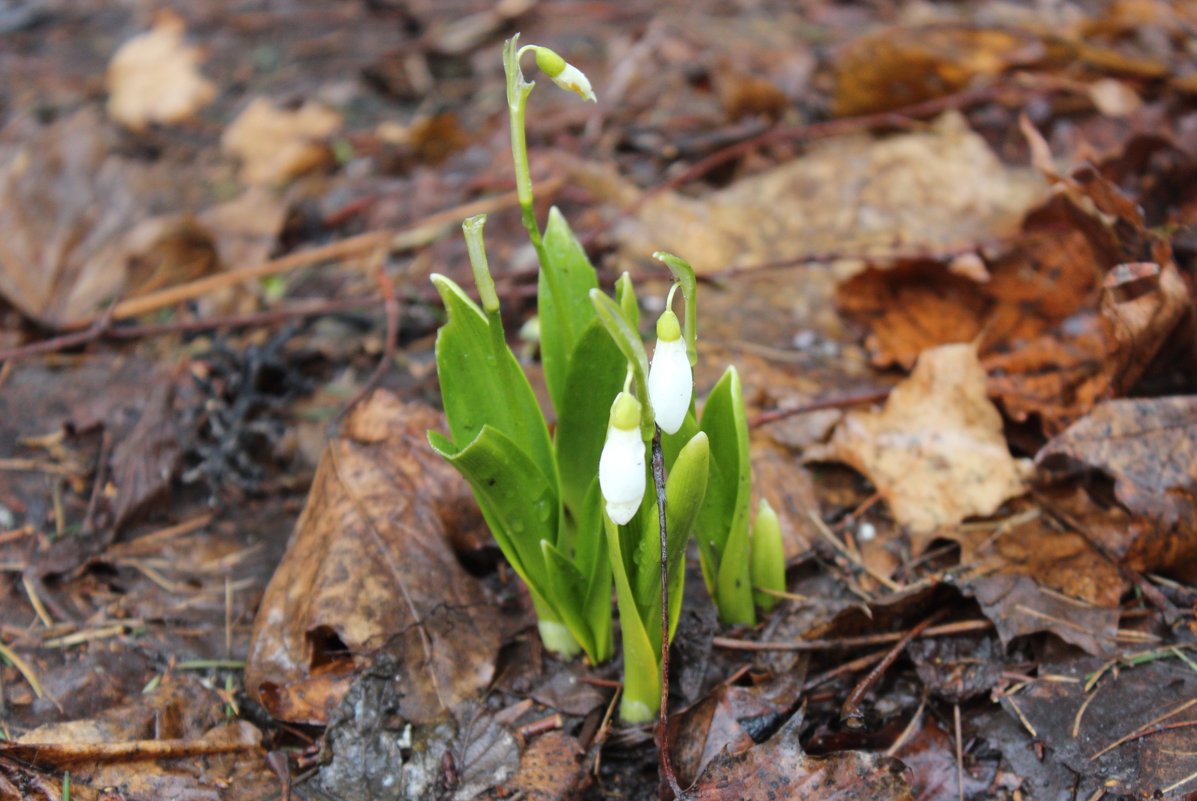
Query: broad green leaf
pixel 568 587
pixel 519 502
pixel 724 516
pixel 482 383
pixel 596 372
pixel 641 671
pixel 685 487
pixel 563 304
pixel 768 556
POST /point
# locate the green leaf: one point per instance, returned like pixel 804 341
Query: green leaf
pixel 568 586
pixel 563 304
pixel 482 384
pixel 768 556
pixel 684 490
pixel 631 346
pixel 625 295
pixel 723 521
pixel 596 372
pixel 641 671
pixel 592 561
pixel 519 502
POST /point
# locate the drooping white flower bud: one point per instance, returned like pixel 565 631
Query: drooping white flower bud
pixel 670 379
pixel 564 74
pixel 621 466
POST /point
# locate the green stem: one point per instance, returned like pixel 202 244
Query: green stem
pixel 518 90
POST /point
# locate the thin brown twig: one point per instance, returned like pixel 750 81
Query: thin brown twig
pixel 874 396
pixel 959 754
pixel 335 251
pixel 312 308
pixel 947 629
pixel 850 714
pixel 1147 728
pixel 860 663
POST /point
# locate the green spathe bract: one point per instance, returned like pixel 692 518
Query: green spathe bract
pixel 768 557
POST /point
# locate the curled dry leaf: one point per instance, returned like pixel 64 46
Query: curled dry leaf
pixel 1149 448
pixel 154 77
pixel 276 145
pixel 779 770
pixel 370 568
pixel 936 452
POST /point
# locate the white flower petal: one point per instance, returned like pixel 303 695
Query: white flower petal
pixel 670 384
pixel 574 80
pixel 621 473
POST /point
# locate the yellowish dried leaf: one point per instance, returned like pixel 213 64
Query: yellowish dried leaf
pixel 936 452
pixel 276 145
pixel 154 77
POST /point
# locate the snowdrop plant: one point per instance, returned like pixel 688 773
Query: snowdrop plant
pixel 613 492
pixel 538 491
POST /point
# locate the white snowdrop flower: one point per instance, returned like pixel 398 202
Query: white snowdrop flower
pixel 564 74
pixel 670 379
pixel 621 467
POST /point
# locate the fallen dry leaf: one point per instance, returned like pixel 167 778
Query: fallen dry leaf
pixel 1057 559
pixel 1018 606
pixel 1149 447
pixel 369 568
pixel 154 77
pixel 936 452
pixel 779 770
pixel 64 205
pixel 276 145
pixel 939 189
pixel 896 67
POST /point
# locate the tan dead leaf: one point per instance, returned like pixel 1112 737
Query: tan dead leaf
pixel 897 67
pixel 154 77
pixel 369 568
pixel 934 190
pixel 1149 448
pixel 65 204
pixel 276 145
pixel 936 452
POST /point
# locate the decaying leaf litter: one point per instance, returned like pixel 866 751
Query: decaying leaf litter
pixel 950 249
